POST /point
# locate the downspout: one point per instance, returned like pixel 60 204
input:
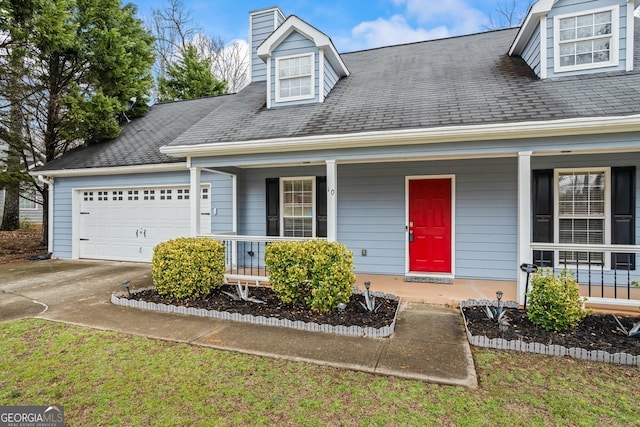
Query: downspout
pixel 49 183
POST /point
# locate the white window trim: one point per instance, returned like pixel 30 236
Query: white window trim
pixel 32 198
pixel 607 214
pixel 313 201
pixel 615 37
pixel 313 78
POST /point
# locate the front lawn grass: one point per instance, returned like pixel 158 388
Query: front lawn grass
pixel 105 378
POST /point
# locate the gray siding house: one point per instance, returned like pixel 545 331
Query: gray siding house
pixel 30 208
pixel 459 158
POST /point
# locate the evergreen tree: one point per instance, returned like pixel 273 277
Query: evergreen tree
pixel 84 61
pixel 190 77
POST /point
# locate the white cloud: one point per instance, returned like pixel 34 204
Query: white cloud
pixel 420 20
pixel 395 30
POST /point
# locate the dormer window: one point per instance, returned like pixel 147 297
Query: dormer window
pixel 586 40
pixel 295 77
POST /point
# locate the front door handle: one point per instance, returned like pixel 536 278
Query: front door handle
pixel 410 236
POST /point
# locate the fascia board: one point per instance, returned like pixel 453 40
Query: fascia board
pixel 321 40
pixel 540 8
pixel 536 129
pixel 117 170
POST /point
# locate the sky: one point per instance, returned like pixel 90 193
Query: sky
pixel 351 24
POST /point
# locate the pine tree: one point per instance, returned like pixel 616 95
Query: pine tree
pixel 190 77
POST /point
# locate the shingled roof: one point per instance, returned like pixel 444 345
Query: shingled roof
pixel 467 80
pixel 140 140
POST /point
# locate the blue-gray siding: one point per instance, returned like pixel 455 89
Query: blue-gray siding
pixel 32 216
pixel 371 212
pixel 261 25
pixel 330 77
pixel 295 44
pixel 372 209
pixel 576 6
pixel 221 196
pixel 531 53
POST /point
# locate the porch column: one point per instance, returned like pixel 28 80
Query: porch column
pixel 194 201
pixel 524 219
pixel 332 201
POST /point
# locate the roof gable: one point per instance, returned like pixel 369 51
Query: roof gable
pixel 321 40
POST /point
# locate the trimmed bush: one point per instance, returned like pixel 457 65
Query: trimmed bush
pixel 187 268
pixel 555 303
pixel 314 272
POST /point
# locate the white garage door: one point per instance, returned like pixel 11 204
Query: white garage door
pixel 125 224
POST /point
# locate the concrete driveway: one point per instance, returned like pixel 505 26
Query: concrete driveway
pixel 52 288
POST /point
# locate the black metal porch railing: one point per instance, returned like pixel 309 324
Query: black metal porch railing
pixel 244 255
pixel 605 272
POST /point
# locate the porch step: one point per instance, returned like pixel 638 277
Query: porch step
pixel 429 279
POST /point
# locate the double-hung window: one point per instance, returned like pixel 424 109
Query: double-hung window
pixel 586 40
pixel 295 77
pixel 28 200
pixel 298 207
pixel 582 205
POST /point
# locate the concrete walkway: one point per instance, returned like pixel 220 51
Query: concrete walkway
pixel 429 342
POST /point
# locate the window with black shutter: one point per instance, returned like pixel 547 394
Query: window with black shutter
pixel 289 204
pixel 580 206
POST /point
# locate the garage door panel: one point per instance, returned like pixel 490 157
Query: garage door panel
pixel 126 224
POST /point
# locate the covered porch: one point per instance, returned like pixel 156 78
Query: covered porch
pixel 367 209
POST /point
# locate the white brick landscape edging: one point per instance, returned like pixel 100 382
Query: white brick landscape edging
pixel 120 298
pixel 534 347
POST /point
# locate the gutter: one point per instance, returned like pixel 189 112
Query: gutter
pixel 49 182
pixel 500 131
pixel 117 170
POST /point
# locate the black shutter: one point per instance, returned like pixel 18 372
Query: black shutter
pixel 542 189
pixel 273 206
pixel 623 206
pixel 321 206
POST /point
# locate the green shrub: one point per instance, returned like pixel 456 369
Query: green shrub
pixel 26 224
pixel 188 268
pixel 554 301
pixel 314 272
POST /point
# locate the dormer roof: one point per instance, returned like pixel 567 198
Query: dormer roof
pixel 321 40
pixel 537 10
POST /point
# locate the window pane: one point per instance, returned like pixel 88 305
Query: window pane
pixel 602 29
pixel 298 227
pixel 569 34
pixel 601 44
pixel 602 17
pixel 567 61
pixel 298 207
pixel 582 47
pixel 567 49
pixel 581 210
pixel 584 20
pixel 601 57
pixel 567 23
pixel 585 32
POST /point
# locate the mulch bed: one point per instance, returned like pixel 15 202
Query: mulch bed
pixel 353 315
pixel 19 246
pixel 595 332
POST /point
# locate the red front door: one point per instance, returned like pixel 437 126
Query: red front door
pixel 430 225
